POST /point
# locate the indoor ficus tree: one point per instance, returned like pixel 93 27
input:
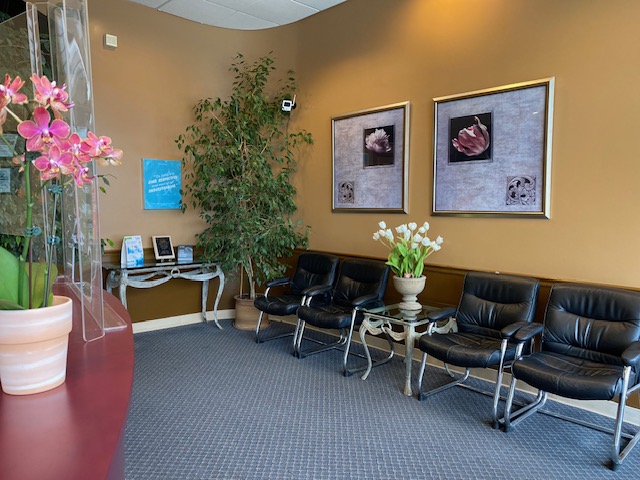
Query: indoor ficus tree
pixel 239 156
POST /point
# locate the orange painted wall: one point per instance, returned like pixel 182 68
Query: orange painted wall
pixel 370 53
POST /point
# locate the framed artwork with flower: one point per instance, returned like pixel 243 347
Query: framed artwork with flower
pixel 371 160
pixel 492 151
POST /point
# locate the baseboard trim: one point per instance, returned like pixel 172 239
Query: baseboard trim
pixel 602 407
pixel 180 321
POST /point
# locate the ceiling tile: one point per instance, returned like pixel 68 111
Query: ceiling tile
pixel 281 11
pixel 150 3
pixel 242 21
pixel 241 14
pixel 320 4
pixel 197 10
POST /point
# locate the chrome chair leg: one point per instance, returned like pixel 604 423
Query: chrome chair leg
pixel 258 326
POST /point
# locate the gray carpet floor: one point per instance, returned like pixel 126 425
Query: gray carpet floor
pixel 213 404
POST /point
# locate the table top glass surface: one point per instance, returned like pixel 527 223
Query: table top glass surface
pixel 393 312
pixel 152 264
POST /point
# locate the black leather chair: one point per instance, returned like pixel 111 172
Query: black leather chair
pixel 590 350
pixel 492 308
pixel 312 269
pixel 361 284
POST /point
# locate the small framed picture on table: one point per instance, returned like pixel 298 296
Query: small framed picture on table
pixel 163 248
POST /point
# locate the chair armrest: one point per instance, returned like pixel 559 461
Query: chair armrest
pixel 631 356
pixel 317 290
pixel 441 314
pixel 363 300
pixel 521 332
pixel 276 282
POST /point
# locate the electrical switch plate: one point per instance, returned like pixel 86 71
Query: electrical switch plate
pixel 110 40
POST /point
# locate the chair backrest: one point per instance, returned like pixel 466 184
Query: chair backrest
pixel 491 301
pixel 359 277
pixel 314 269
pixel 590 322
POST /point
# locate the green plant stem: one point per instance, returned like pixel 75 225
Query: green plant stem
pixel 52 246
pixel 29 231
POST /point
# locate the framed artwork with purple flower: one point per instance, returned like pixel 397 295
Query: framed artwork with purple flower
pixel 492 151
pixel 370 160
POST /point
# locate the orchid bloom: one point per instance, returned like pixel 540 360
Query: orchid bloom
pixel 49 94
pixel 97 146
pixel 81 175
pixel 9 91
pixel 113 158
pixel 39 133
pixel 53 163
pixel 73 145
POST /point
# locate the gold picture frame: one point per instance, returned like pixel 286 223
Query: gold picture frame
pixel 492 151
pixel 370 160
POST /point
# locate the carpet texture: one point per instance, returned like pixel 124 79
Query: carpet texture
pixel 211 404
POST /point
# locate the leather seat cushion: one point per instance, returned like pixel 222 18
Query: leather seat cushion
pixel 328 316
pixel 465 349
pixel 570 377
pixel 280 306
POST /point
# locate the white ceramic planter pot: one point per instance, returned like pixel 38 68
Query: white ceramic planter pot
pixel 33 347
pixel 409 288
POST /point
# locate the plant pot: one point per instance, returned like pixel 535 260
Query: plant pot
pixel 247 315
pixel 33 347
pixel 409 288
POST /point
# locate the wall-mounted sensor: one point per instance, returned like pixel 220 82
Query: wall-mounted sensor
pixel 110 41
pixel 288 105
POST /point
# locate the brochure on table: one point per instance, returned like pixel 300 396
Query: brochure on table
pixel 132 254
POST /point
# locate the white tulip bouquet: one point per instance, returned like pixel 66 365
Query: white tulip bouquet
pixel 408 248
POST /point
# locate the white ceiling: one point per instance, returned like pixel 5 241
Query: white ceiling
pixel 241 14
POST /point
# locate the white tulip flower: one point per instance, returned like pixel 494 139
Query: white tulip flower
pixel 414 246
pixel 376 236
pixel 407 235
pixel 426 225
pixel 436 247
pixel 439 240
pixel 417 238
pixel 401 228
pixel 426 241
pixel 422 230
pixel 382 225
pixel 389 234
pixel 413 226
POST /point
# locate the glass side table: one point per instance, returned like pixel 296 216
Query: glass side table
pixel 380 320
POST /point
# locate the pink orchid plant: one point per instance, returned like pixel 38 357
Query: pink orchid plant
pixel 62 158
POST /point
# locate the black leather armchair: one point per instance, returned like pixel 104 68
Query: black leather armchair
pixel 361 284
pixel 590 350
pixel 492 309
pixel 312 269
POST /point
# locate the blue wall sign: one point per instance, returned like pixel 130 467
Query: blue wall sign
pixel 162 181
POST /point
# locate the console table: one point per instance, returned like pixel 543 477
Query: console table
pixel 151 275
pixel 381 320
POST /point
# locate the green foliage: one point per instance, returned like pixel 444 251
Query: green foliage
pixel 239 160
pixel 10 280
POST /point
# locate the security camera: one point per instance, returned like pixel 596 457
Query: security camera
pixel 288 105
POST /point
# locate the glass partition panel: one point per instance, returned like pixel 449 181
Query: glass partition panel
pixel 52 38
